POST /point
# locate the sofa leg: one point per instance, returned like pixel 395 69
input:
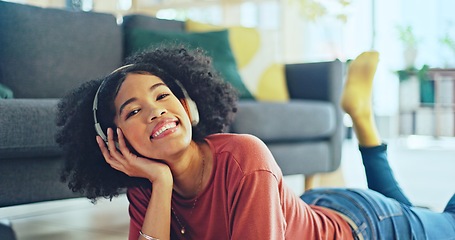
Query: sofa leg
pixel 6 231
pixel 331 179
pixel 311 181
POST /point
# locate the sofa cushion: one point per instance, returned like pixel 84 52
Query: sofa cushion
pixel 45 52
pixel 27 128
pixel 295 120
pixel 215 43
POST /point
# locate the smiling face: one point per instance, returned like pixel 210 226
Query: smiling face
pixel 151 117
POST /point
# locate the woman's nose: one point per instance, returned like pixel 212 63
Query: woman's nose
pixel 156 113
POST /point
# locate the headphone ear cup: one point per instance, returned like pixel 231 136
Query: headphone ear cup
pixel 191 108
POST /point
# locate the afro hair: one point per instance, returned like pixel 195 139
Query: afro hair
pixel 85 169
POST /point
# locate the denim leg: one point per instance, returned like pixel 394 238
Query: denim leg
pixel 438 226
pixel 375 216
pixel 379 175
pixel 379 217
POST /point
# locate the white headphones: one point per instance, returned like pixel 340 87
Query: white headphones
pixel 189 105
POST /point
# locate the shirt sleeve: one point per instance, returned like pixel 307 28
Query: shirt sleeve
pixel 257 211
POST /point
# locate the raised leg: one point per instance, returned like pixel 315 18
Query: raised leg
pixel 356 98
pixel 357 102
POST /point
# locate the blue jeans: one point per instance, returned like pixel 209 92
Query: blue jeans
pixel 383 211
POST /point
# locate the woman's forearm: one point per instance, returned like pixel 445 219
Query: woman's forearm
pixel 157 221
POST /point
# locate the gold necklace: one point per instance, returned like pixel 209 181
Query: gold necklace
pixel 182 227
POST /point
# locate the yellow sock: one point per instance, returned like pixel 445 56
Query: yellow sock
pixel 357 92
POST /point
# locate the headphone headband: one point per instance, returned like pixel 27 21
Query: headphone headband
pixel 98 128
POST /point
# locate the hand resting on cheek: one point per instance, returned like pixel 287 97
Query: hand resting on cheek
pixel 122 159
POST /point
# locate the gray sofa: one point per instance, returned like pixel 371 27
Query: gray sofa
pixel 46 52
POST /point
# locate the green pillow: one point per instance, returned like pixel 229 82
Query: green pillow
pixel 5 92
pixel 215 43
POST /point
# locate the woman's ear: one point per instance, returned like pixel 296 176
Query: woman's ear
pixel 191 109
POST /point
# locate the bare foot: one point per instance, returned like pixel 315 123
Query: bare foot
pixel 356 97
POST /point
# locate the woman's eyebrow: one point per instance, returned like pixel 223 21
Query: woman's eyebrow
pixel 125 104
pixel 134 99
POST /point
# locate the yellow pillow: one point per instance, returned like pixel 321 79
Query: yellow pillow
pixel 272 85
pixel 264 78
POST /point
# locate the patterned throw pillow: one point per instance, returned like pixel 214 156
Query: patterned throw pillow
pixel 255 57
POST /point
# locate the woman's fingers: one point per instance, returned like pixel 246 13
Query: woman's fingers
pixel 106 154
pixel 120 155
pixel 111 141
pixel 122 159
pixel 122 143
pixel 114 147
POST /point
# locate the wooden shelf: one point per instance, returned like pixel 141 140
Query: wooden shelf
pixel 436 118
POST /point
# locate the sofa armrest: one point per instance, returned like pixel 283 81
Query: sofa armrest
pixel 30 159
pixel 322 81
pixel 315 81
pixel 27 128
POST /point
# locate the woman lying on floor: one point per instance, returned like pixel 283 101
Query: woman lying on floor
pixel 186 179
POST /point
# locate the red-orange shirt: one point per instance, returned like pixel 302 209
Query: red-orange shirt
pixel 246 198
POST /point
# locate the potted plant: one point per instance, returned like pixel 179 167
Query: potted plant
pixel 448 42
pixel 409 39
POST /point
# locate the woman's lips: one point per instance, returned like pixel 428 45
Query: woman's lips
pixel 163 129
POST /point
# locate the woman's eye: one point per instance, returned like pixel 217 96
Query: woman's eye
pixel 161 96
pixel 132 113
